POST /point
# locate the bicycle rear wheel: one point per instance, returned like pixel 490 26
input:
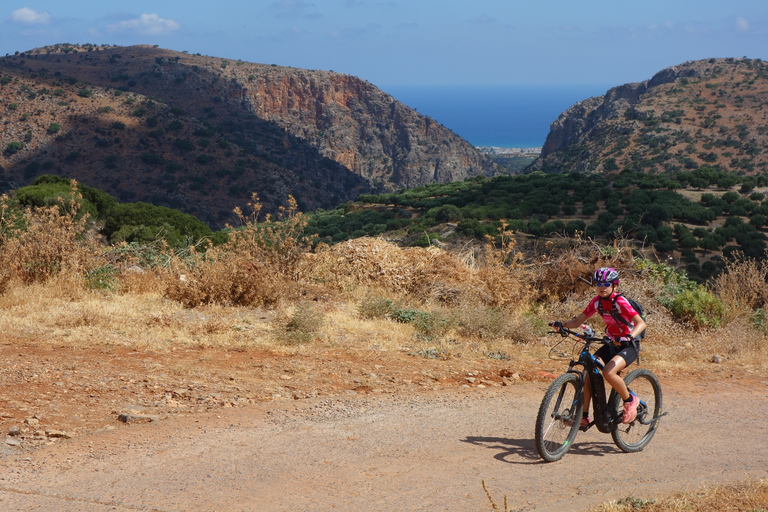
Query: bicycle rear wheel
pixel 634 436
pixel 559 417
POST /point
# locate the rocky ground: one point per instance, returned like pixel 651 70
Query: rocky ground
pixel 55 393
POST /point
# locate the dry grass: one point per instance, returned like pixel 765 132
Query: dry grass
pixel 264 289
pixel 36 245
pixel 749 496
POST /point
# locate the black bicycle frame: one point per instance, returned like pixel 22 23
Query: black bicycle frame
pixel 604 418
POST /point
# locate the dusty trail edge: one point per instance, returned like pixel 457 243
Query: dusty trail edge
pixel 407 451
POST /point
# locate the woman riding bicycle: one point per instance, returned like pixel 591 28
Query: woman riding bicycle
pixel 625 347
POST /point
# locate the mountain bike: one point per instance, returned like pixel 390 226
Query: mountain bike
pixel 560 413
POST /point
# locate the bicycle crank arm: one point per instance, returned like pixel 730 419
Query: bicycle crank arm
pixel 648 422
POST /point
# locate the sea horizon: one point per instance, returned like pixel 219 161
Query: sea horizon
pixel 502 116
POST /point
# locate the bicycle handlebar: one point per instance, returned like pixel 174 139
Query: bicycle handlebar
pixel 564 332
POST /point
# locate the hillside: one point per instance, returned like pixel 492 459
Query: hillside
pixel 707 113
pixel 201 134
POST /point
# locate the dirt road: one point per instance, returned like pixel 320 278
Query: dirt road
pixel 425 451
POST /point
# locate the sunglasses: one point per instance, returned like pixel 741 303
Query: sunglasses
pixel 603 284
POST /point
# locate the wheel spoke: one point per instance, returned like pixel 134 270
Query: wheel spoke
pixel 555 425
pixel 635 435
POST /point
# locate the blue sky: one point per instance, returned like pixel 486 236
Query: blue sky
pixel 415 42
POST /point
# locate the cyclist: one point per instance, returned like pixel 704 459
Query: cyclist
pixel 624 349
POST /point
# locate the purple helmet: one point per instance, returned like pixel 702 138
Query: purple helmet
pixel 606 275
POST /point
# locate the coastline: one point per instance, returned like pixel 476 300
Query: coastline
pixel 496 150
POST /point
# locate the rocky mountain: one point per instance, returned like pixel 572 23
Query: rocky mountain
pixel 202 133
pixel 705 113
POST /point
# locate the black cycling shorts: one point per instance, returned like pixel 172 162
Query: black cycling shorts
pixel 627 351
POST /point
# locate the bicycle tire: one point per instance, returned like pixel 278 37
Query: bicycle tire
pixel 559 417
pixel 634 436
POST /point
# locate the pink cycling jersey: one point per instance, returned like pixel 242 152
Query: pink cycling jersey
pixel 626 311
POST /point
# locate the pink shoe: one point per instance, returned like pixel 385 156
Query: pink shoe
pixel 630 409
pixel 585 421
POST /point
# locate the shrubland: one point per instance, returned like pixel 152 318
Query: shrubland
pixel 484 300
pixel 702 217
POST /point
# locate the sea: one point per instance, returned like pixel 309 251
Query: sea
pixel 503 116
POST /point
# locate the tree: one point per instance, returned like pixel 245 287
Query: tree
pixel 588 209
pixel 711 242
pixel 13 147
pixel 448 213
pixel 758 221
pixel 150 216
pixel 655 215
pixel 535 228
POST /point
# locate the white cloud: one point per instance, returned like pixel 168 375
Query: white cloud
pixel 29 16
pixel 742 24
pixel 146 24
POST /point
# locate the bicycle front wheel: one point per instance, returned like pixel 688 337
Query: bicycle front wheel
pixel 559 417
pixel 634 436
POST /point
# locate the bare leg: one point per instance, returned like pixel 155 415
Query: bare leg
pixel 612 377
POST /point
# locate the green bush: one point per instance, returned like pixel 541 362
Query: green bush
pixel 147 235
pixel 698 307
pixel 13 147
pixel 446 213
pixel 110 161
pixel 184 144
pixel 152 159
pixel 47 190
pixel 131 217
pixel 102 278
pixel 424 240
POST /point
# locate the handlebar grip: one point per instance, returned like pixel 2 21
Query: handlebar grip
pixel 556 324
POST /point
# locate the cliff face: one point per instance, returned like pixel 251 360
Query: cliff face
pixel 710 112
pixel 363 128
pixel 201 133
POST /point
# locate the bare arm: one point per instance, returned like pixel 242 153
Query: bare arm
pixel 639 326
pixel 576 321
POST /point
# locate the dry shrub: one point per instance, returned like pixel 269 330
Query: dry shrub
pixel 742 342
pixel 37 244
pixel 497 323
pixel 743 285
pixel 374 306
pixel 137 280
pixel 305 324
pixel 429 274
pixel 377 263
pixel 506 278
pixel 751 495
pixel 257 266
pixel 321 269
pixel 225 279
pixel 567 270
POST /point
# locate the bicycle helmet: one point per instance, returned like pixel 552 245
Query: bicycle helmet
pixel 606 275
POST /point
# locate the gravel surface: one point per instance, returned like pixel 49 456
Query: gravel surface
pixel 382 452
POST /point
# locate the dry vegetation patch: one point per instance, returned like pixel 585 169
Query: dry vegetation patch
pixel 749 496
